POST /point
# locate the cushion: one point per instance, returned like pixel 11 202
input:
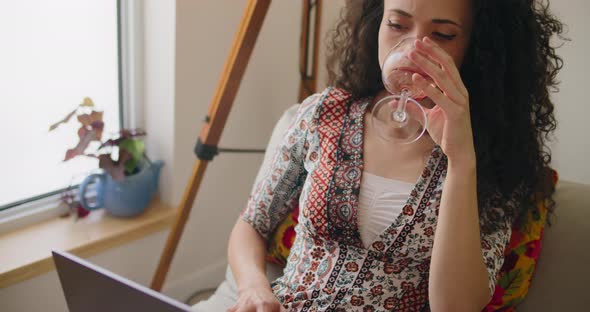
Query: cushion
pixel 520 259
pixel 562 273
pixel 282 240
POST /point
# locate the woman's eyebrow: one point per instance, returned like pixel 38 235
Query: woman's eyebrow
pixel 401 12
pixel 435 21
pixel 446 21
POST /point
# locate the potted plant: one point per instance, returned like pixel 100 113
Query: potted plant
pixel 128 179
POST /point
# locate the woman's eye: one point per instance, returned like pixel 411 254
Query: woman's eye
pixel 444 36
pixel 395 25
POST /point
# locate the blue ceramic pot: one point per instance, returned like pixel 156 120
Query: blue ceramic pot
pixel 124 198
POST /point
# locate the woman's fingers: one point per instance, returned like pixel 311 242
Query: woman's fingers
pixel 450 108
pixel 416 113
pixel 239 307
pixel 435 72
pixel 431 48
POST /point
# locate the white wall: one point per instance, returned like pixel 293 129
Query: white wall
pixel 185 46
pixel 158 86
pixel 572 145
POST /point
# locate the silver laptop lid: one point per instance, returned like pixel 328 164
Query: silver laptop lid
pixel 89 288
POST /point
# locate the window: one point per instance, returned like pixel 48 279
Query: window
pixel 55 53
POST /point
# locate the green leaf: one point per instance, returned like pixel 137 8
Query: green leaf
pixel 508 279
pixel 520 250
pixel 136 148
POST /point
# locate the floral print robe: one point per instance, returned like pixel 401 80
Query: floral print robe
pixel 319 166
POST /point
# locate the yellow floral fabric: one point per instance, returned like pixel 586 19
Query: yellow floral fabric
pixel 520 260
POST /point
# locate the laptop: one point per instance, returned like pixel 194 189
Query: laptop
pixel 89 288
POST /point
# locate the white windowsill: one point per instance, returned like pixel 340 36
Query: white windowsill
pixel 31 213
pixel 26 252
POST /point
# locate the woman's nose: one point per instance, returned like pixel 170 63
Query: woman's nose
pixel 420 33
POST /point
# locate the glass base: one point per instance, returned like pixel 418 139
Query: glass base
pixel 395 123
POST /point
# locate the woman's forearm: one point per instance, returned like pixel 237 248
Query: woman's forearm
pixel 458 276
pixel 246 253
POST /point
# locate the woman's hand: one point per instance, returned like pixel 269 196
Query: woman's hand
pixel 449 122
pixel 257 299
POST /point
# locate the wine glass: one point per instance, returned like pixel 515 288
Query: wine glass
pixel 399 118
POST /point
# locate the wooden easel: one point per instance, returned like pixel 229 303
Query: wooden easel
pixel 221 104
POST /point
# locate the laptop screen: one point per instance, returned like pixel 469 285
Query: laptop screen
pixel 90 288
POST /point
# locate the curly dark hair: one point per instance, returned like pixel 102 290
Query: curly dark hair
pixel 509 69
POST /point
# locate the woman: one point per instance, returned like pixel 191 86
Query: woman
pixel 486 66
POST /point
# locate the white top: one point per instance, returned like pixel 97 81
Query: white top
pixel 381 201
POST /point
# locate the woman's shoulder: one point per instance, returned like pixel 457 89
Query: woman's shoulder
pixel 329 106
pixel 336 95
pixel 330 97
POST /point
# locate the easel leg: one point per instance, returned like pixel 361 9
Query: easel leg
pixel 219 109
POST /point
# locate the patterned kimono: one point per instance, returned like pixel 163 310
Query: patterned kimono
pixel 318 165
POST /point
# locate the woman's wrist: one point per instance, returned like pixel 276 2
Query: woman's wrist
pixel 462 167
pixel 466 163
pixel 253 281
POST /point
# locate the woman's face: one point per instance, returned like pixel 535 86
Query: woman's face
pixel 447 22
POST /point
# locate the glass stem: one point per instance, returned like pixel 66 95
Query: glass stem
pixel 400 113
